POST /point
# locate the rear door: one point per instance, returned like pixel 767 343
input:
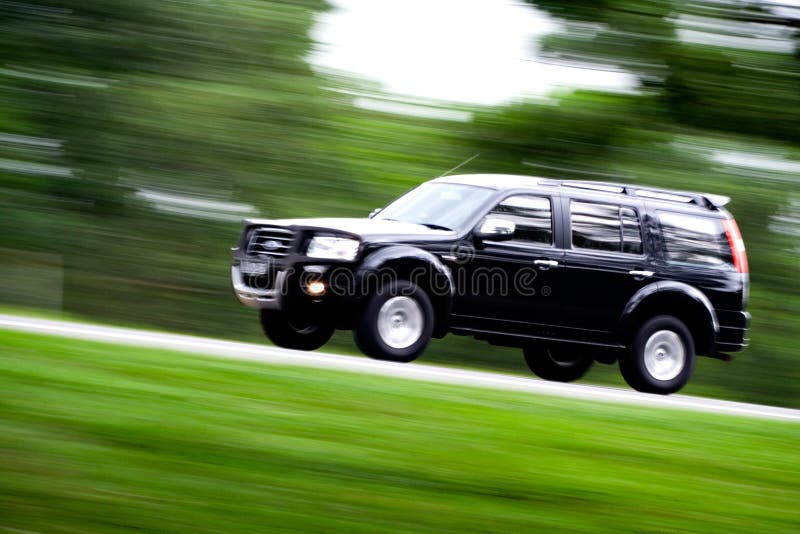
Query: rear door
pixel 607 260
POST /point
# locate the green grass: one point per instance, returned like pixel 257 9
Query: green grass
pixel 100 438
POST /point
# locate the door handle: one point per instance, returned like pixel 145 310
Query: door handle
pixel 641 274
pixel 546 263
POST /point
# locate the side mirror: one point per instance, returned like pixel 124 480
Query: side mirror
pixel 494 229
pixel 374 212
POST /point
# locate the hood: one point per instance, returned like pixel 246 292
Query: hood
pixel 366 229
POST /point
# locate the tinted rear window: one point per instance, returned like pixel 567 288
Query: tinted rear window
pixel 695 241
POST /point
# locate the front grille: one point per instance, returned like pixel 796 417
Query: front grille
pixel 271 241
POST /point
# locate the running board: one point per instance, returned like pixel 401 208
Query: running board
pixel 482 334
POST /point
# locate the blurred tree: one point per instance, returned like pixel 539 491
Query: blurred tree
pixel 229 78
pixel 106 99
pixel 737 88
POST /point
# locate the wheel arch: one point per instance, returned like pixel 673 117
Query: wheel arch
pixel 678 299
pixel 406 262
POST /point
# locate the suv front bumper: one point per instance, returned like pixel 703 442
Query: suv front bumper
pixel 266 298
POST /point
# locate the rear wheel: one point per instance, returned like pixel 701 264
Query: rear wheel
pixel 396 324
pixel 296 332
pixel 561 364
pixel 660 358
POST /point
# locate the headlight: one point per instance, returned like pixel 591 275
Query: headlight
pixel 333 248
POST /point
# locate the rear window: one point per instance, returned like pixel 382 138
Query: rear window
pixel 695 241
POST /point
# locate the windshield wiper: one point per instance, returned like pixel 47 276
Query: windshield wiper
pixel 436 226
pixel 432 226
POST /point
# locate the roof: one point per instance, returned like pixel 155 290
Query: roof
pixel 515 181
pixel 495 181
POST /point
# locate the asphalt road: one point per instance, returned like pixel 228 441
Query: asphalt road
pixel 413 371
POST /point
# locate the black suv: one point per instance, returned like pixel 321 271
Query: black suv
pixel 572 272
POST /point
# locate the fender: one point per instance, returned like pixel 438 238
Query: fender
pixel 375 261
pixel 442 295
pixel 662 288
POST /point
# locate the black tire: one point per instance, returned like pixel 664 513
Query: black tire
pixel 367 333
pixel 640 364
pixel 294 333
pixel 559 364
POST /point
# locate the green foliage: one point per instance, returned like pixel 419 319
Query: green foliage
pixel 728 89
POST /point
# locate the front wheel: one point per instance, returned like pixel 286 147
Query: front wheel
pixel 660 358
pixel 556 364
pixel 396 324
pixel 294 333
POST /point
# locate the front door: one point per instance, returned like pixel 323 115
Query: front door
pixel 514 285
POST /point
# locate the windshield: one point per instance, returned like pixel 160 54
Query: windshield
pixel 437 205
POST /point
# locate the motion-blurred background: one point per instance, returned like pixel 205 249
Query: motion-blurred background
pixel 135 135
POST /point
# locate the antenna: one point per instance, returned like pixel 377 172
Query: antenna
pixel 459 165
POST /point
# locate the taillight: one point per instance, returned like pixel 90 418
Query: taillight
pixel 737 245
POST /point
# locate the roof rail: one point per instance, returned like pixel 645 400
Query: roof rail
pixel 700 199
pixel 596 186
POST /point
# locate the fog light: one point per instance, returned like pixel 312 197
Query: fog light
pixel 315 289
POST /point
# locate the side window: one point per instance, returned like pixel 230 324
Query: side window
pixel 533 217
pixel 631 231
pixel 605 227
pixel 695 241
